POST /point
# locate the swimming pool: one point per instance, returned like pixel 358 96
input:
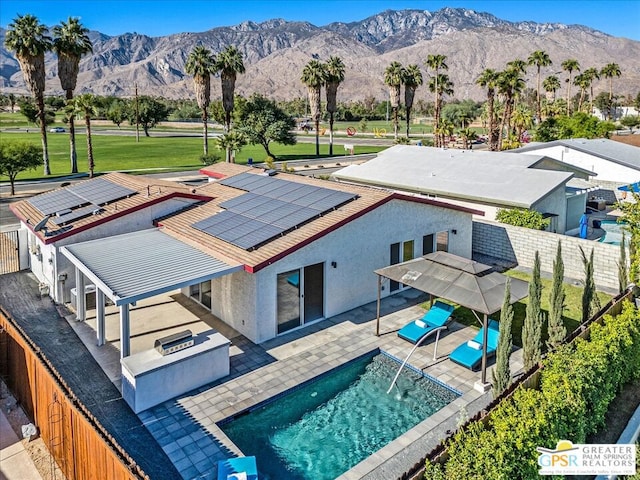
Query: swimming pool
pixel 327 426
pixel 612 232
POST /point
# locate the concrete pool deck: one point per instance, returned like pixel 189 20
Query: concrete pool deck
pixel 186 427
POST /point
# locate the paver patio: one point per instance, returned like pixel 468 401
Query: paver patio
pixel 186 427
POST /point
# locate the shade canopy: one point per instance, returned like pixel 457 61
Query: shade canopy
pixel 460 280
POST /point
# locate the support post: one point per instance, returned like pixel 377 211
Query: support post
pixel 81 307
pixel 100 321
pixel 485 335
pixel 125 332
pixel 378 306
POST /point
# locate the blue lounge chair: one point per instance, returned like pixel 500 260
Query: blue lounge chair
pixel 235 468
pixel 469 354
pixel 434 320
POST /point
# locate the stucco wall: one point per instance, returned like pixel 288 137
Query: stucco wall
pixel 358 249
pixel 519 245
pixel 554 202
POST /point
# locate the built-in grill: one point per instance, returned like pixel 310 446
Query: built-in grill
pixel 174 343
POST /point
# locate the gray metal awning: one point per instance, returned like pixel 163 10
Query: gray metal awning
pixel 133 266
pixel 458 279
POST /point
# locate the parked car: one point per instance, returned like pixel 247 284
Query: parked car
pixel 57 130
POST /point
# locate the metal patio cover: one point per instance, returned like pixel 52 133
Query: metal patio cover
pixel 460 280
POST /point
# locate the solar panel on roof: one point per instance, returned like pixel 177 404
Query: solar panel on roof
pixel 270 207
pixel 100 191
pixel 52 202
pixel 76 214
pixel 97 191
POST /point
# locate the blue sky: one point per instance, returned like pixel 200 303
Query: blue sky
pixel 161 17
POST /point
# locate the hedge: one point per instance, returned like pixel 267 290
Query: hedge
pixel 577 384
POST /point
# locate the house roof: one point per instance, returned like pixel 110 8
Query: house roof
pixel 143 264
pixel 484 177
pixel 146 192
pixel 368 199
pixel 616 152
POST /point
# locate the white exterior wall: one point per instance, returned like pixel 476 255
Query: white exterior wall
pixel 555 202
pixel 605 169
pixel 234 299
pixel 359 248
pixel 49 271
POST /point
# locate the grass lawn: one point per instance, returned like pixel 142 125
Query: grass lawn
pixel 122 153
pixel 572 312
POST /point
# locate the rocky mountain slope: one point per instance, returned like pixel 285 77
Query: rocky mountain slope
pixel 276 51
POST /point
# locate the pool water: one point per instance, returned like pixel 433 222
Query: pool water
pixel 612 232
pixel 324 428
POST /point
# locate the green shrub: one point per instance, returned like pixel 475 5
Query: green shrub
pixel 578 383
pixel 520 217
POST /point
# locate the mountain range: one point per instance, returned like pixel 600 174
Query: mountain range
pixel 275 52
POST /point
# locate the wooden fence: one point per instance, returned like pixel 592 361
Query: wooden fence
pixel 530 379
pixel 9 252
pixel 81 447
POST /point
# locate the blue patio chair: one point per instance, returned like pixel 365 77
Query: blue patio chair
pixel 469 354
pixel 434 320
pixel 238 468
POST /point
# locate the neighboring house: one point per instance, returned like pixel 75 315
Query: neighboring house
pixel 619 112
pixel 615 163
pixel 486 181
pixel 265 253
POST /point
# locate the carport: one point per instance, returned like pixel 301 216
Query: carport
pixel 133 266
pixel 462 281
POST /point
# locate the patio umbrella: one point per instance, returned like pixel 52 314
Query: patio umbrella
pixel 584 222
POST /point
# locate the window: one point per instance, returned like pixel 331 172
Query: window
pixel 395 257
pixel 427 244
pixel 442 241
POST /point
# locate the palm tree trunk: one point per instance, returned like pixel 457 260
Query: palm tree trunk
pixel 538 109
pixel 569 96
pixel 205 131
pixel 408 117
pixel 87 120
pixel 330 134
pixel 43 136
pixel 317 122
pixel 72 136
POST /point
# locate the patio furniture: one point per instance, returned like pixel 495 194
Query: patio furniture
pixel 469 354
pixel 434 320
pixel 240 468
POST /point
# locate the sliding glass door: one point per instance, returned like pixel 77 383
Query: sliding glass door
pixel 300 297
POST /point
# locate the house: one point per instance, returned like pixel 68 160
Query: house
pixel 614 163
pixel 486 181
pixel 265 253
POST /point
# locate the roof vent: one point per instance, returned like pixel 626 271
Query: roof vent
pixel 271 172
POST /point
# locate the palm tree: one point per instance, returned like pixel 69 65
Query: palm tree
pixel 510 85
pixel 87 105
pixel 201 64
pixel 232 141
pixel 28 38
pixel 334 77
pixel 551 84
pixel 467 135
pixel 443 86
pixel 583 81
pixel 540 59
pixel 609 71
pixel 488 79
pixel 436 63
pixel 313 76
pixel 393 80
pixel 229 63
pixel 412 79
pixel 570 65
pixel 70 42
pixel 522 120
pixel 592 74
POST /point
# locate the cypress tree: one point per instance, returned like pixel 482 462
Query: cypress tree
pixel 557 330
pixel 502 372
pixel 532 328
pixel 590 301
pixel 623 272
